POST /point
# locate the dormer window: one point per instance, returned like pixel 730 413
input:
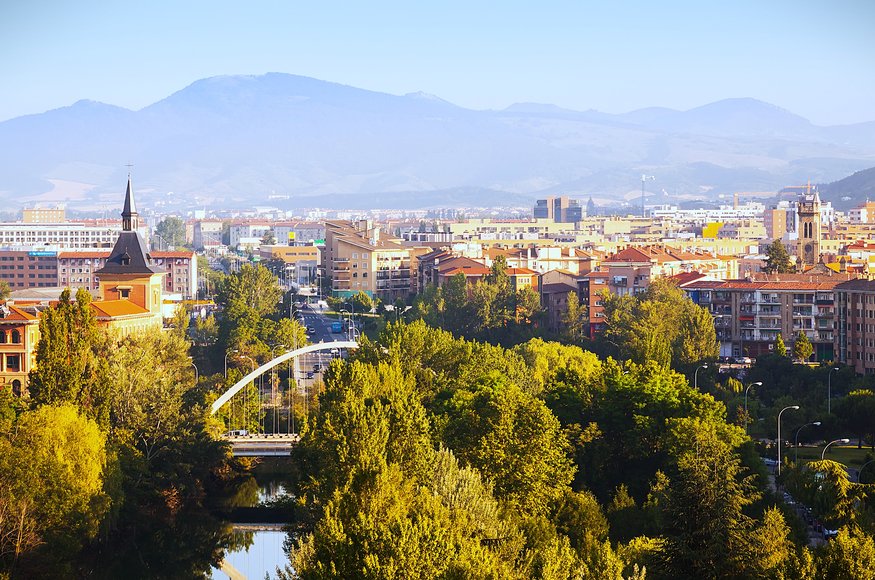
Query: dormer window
pixel 126 259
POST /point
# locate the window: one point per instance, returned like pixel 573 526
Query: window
pixel 16 337
pixel 124 292
pixel 13 362
pixel 2 337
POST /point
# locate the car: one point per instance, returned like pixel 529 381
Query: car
pixel 310 374
pixel 829 534
pixel 317 367
pixel 238 433
pixel 311 330
pixel 743 360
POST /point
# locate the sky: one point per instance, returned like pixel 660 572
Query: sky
pixel 813 58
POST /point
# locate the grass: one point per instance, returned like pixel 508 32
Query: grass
pixel 847 454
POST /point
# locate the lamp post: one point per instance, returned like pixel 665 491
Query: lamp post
pixel 860 471
pixel 227 352
pixel 696 375
pixel 829 389
pixel 746 420
pixel 795 408
pixel 196 373
pixel 823 455
pixel 796 440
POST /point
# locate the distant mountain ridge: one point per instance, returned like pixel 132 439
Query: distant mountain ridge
pixel 236 140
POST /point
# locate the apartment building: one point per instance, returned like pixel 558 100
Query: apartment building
pixel 630 270
pixel 298 232
pixel 749 314
pixel 207 234
pixel 44 215
pixel 77 269
pixel 61 235
pixel 180 267
pixel 360 258
pixel 29 268
pixel 855 328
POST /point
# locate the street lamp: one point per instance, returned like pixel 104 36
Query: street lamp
pixel 823 455
pixel 696 375
pixel 227 352
pixel 746 419
pixel 829 390
pixel 860 471
pixel 796 440
pixel 795 408
pixel 196 373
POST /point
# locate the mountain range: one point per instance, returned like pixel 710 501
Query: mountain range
pixel 295 142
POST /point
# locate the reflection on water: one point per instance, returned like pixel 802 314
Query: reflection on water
pixel 255 553
pixel 262 557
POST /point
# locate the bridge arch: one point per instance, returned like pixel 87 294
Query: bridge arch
pixel 236 387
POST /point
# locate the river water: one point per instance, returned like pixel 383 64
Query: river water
pixel 257 548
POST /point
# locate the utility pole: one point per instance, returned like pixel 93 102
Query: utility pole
pixel 644 178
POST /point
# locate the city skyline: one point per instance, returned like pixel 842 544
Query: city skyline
pixel 812 60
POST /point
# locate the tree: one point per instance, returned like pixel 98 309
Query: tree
pixel 51 483
pixel 848 556
pixel 5 290
pixel 780 348
pixel 777 259
pixel 513 439
pixel 69 365
pixel 268 239
pixel 662 325
pixel 802 348
pixel 172 232
pixel 575 321
pixel 857 412
pixel 706 533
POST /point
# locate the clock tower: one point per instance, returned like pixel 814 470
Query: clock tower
pixel 808 248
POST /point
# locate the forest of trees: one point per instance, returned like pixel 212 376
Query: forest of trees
pixel 476 450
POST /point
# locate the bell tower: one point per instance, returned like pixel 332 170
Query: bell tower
pixel 808 247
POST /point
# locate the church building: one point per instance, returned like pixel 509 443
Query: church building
pixel 130 283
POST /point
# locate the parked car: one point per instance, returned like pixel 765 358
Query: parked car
pixel 237 433
pixel 743 360
pixel 311 330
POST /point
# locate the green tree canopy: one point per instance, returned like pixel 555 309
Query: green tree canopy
pixel 662 325
pixel 778 260
pixel 802 348
pixel 171 231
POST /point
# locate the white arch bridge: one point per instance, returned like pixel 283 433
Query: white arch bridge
pixel 274 445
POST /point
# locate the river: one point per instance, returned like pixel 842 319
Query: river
pixel 257 548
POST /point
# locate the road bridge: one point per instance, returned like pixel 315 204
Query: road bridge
pixel 238 386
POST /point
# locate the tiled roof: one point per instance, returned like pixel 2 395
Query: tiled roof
pixel 74 255
pixel 14 314
pixel 520 272
pixel 175 254
pixel 468 271
pixel 558 288
pixel 116 308
pixel 857 285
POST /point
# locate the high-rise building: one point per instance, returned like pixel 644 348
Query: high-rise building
pixel 559 209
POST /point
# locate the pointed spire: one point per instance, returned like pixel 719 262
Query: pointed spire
pixel 130 217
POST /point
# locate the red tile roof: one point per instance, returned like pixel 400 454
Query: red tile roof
pixel 116 308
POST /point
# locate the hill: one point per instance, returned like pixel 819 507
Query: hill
pixel 239 140
pixel 851 191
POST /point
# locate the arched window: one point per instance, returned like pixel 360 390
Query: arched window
pixel 16 387
pixel 16 337
pixel 2 337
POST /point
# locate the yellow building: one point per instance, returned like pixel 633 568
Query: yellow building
pixel 19 335
pixel 360 258
pixel 129 274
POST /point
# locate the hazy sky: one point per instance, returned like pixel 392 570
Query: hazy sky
pixel 814 58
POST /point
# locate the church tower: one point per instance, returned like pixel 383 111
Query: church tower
pixel 129 273
pixel 808 248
